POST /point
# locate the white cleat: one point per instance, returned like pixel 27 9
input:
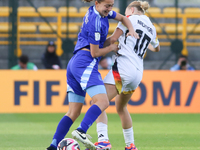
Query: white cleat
pixel 83 138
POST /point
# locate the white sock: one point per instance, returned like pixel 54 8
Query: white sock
pixel 102 131
pixel 128 136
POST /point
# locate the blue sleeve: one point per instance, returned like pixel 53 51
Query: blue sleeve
pixel 112 14
pixel 190 68
pixel 175 67
pixel 94 34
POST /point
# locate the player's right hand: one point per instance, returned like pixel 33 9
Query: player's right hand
pixel 114 47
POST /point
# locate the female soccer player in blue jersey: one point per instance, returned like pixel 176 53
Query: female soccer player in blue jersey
pixel 82 71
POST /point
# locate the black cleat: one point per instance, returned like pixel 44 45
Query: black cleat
pixel 51 148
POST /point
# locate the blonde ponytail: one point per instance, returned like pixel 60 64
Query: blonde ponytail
pixel 140 5
pixel 144 5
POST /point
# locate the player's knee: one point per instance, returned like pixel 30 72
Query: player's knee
pixel 73 115
pixel 120 109
pixel 103 104
pixel 106 103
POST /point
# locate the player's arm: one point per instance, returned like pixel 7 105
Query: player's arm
pixel 97 52
pixel 154 46
pixel 128 24
pixel 94 37
pixel 114 37
pixel 156 49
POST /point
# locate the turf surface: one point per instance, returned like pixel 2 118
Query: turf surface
pixel 152 131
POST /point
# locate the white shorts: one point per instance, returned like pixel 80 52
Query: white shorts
pixel 124 75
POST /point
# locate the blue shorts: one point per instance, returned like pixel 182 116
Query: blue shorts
pixel 82 73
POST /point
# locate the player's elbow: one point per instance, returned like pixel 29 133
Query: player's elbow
pixel 157 49
pixel 94 54
pixel 113 40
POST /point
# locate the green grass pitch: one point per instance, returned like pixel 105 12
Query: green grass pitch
pixel 152 131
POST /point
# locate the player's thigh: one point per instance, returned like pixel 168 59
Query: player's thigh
pixel 122 100
pixel 101 100
pixel 99 96
pixel 111 91
pixel 109 83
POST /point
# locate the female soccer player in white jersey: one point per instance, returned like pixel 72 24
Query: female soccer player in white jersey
pixel 127 71
pixel 82 71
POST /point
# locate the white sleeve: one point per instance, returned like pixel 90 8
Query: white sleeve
pixel 155 41
pixel 122 27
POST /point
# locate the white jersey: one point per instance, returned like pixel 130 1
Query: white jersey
pixel 134 49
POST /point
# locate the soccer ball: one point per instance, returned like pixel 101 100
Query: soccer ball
pixel 68 144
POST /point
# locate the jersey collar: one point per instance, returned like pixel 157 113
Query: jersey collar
pixel 96 12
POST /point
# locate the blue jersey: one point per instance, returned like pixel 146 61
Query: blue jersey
pixel 94 29
pixel 82 69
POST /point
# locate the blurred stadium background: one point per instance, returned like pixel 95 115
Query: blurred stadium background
pixel 26 26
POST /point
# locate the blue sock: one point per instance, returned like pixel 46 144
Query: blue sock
pixel 62 129
pixel 91 115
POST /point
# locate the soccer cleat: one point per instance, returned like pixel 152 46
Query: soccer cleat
pixel 102 145
pixel 131 147
pixel 83 138
pixel 51 148
pixel 105 145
